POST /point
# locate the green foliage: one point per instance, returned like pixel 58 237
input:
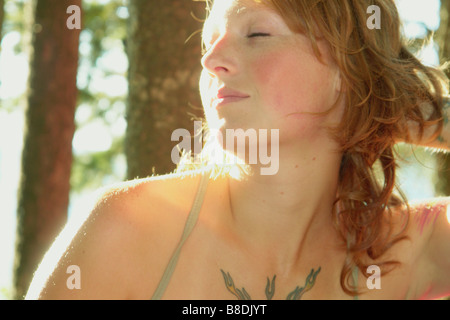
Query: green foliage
pixel 6 293
pixel 15 11
pixel 104 30
pixel 105 25
pixel 90 171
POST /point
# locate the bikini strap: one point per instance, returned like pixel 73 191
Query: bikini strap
pixel 190 223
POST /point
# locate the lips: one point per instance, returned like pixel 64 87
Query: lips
pixel 227 95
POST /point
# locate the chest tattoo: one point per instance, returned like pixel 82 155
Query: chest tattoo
pixel 296 294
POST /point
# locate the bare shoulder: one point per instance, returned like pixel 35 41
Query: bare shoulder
pixel 426 230
pixel 426 213
pixel 419 218
pixel 116 245
pixel 432 227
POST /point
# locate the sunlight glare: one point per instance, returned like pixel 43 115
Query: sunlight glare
pixel 448 213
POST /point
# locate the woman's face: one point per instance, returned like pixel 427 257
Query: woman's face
pixel 258 74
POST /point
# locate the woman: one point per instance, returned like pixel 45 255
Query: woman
pixel 339 96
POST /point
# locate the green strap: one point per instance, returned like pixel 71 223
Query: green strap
pixel 354 272
pixel 190 223
pixel 355 280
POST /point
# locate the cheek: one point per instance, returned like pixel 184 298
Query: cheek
pixel 289 83
pixel 289 86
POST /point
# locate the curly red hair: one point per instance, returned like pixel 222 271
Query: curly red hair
pixel 387 92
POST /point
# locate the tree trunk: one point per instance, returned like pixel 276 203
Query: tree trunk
pixel 47 153
pixel 163 81
pixel 443 39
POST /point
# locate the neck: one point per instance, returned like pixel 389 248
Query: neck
pixel 275 214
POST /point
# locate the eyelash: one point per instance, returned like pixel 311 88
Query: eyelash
pixel 252 35
pixel 258 34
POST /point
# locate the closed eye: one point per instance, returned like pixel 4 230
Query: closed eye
pixel 258 34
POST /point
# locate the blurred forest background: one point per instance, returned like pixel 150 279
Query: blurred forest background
pixel 88 107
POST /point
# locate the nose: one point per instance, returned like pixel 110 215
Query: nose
pixel 221 58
